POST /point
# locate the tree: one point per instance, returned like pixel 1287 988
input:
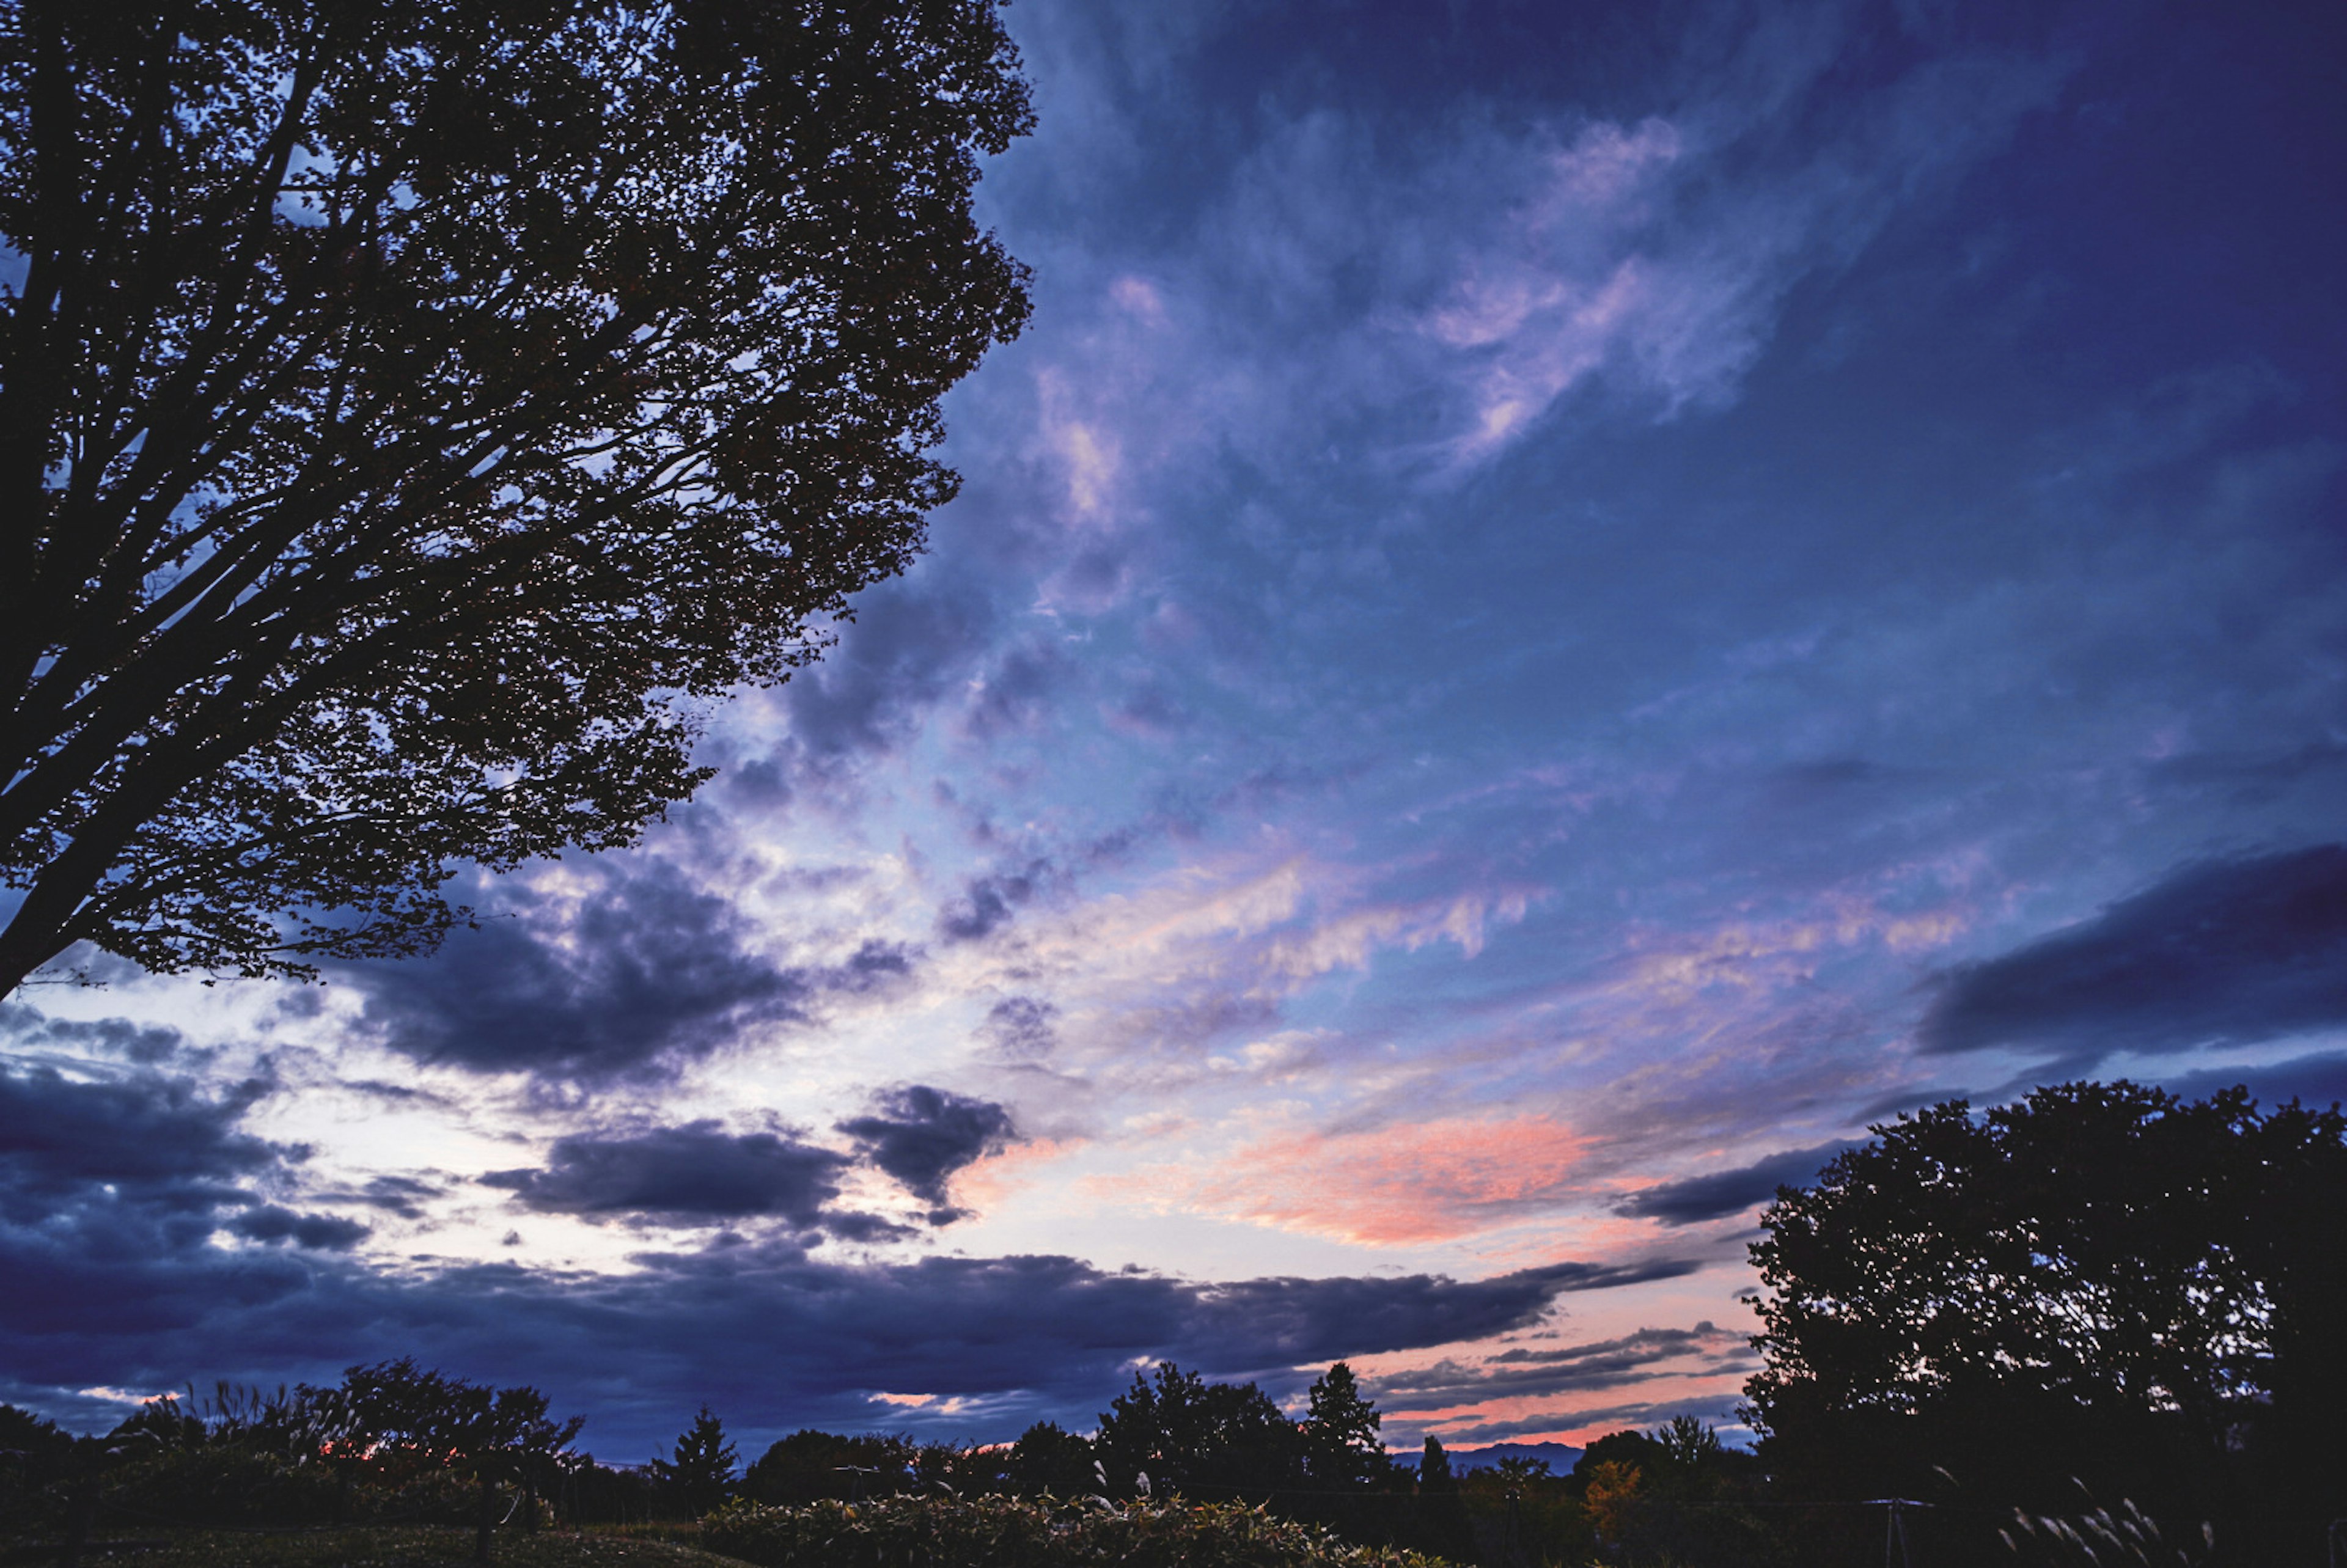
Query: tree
pixel 2100 1282
pixel 809 1464
pixel 1442 1510
pixel 1688 1443
pixel 700 1472
pixel 413 415
pixel 1341 1446
pixel 1049 1460
pixel 1214 1440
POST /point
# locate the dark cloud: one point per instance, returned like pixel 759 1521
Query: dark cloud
pixel 1578 1369
pixel 2319 1078
pixel 1720 1412
pixel 325 1232
pixel 1021 1027
pixel 1013 696
pixel 652 971
pixel 784 1338
pixel 139 1172
pixel 1708 1197
pixel 987 901
pixel 875 966
pixel 2224 952
pixel 693 1172
pixel 906 649
pixel 147 1135
pixel 401 1196
pixel 146 1044
pixel 921 1136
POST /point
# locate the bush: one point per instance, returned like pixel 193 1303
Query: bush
pixel 1019 1532
pixel 217 1486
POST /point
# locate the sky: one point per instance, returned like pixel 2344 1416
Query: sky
pixel 1561 607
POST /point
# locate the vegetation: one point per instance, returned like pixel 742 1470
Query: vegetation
pixel 1018 1532
pixel 2100 1287
pixel 409 411
pixel 2098 1326
pixel 378 1546
pixel 392 1443
pixel 700 1473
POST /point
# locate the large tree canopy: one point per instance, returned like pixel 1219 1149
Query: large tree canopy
pixel 410 410
pixel 2100 1282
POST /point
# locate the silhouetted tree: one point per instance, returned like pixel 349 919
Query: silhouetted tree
pixel 1048 1458
pixel 700 1474
pixel 2101 1282
pixel 1341 1446
pixel 34 1452
pixel 409 413
pixel 412 1418
pixel 1212 1439
pixel 809 1464
pixel 1442 1511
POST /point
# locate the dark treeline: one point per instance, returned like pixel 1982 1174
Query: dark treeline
pixel 1675 1490
pixel 393 1442
pixel 397 1443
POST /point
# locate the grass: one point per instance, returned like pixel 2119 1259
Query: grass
pixel 372 1546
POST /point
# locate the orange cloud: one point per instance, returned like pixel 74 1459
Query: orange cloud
pixel 1428 1182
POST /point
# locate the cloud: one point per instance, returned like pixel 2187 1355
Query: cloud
pixel 2319 1078
pixel 145 1043
pixel 646 971
pixel 143 1165
pixel 147 1136
pixel 987 901
pixel 1708 1197
pixel 1429 1181
pixel 692 1173
pixel 921 1136
pixel 2221 952
pixel 1635 1358
pixel 907 647
pixel 1021 1027
pixel 1593 1419
pixel 788 1339
pixel 401 1196
pixel 326 1233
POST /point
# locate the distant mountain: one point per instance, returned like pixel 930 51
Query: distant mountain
pixel 1561 1457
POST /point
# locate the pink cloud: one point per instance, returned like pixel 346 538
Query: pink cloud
pixel 1396 1186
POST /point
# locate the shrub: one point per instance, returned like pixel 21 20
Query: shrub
pixel 1040 1532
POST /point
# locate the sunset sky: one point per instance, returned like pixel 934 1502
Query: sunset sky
pixel 1562 606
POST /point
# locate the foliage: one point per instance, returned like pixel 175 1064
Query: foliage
pixel 1049 1459
pixel 2101 1282
pixel 1010 1533
pixel 405 1418
pixel 1442 1510
pixel 1687 1443
pixel 809 1464
pixel 1189 1436
pixel 1675 1494
pixel 701 1471
pixel 391 1442
pixel 1611 1495
pixel 399 1546
pixel 1339 1432
pixel 2100 1538
pixel 409 413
